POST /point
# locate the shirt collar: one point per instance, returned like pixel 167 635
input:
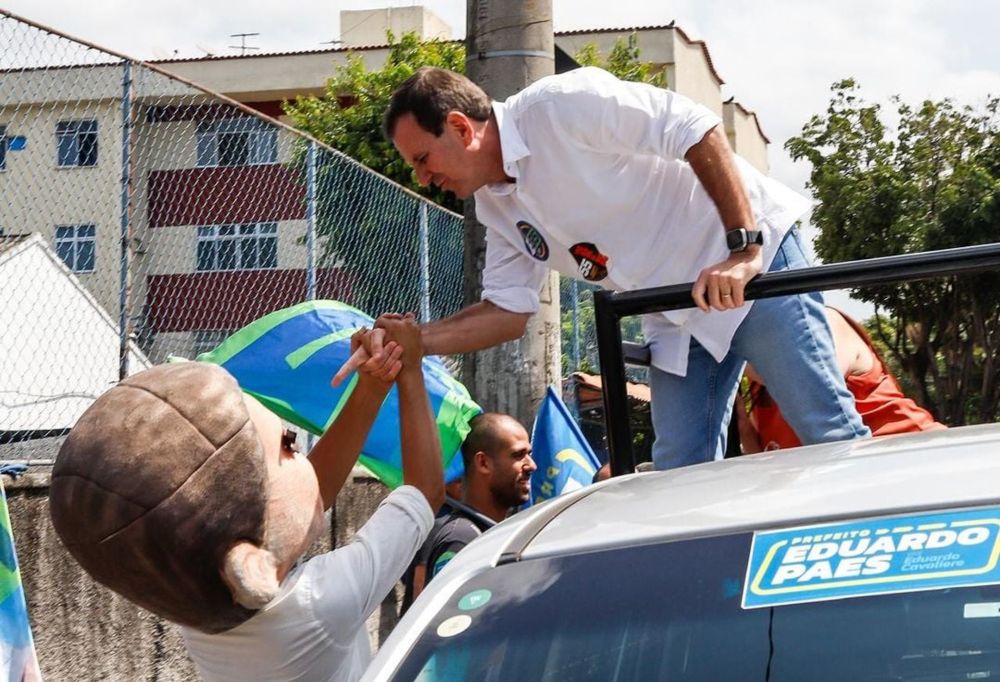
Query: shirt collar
pixel 512 148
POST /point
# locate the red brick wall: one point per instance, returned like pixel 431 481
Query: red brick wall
pixel 230 300
pixel 238 194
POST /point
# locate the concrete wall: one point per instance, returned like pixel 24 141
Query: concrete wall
pixel 745 135
pixel 360 28
pixel 85 632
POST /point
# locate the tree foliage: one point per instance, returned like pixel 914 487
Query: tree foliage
pixel 348 116
pixel 623 61
pixel 930 182
pixel 367 227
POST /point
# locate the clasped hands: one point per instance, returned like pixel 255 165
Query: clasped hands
pixel 391 346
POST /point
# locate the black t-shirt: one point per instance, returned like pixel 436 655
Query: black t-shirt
pixel 453 529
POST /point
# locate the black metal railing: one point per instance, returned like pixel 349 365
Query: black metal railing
pixel 611 307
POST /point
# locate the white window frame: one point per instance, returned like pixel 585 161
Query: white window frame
pixel 79 238
pixel 260 138
pixel 72 133
pixel 240 235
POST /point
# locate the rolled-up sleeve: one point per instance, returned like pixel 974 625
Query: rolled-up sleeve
pixel 511 280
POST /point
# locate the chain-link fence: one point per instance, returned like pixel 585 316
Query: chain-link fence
pixel 142 216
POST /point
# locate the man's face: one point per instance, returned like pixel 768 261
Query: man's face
pixel 510 479
pixel 444 161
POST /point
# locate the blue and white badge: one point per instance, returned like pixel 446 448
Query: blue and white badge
pixel 898 554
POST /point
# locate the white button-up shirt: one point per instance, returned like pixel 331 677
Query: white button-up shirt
pixel 602 193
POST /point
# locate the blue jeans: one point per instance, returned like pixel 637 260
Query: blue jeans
pixel 788 341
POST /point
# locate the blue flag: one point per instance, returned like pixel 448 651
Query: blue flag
pixel 287 358
pixel 564 457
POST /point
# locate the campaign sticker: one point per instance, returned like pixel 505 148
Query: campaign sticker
pixel 474 600
pixel 533 240
pixel 881 556
pixel 982 610
pixel 592 264
pixel 454 626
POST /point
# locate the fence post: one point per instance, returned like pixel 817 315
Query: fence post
pixel 125 285
pixel 425 266
pixel 575 293
pixel 311 221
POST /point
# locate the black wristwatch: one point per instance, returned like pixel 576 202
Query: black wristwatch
pixel 741 238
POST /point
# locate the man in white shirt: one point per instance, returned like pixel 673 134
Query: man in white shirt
pixel 629 186
pixel 187 497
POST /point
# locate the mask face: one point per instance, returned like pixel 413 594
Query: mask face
pixel 294 507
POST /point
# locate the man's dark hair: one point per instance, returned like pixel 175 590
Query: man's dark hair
pixel 483 437
pixel 429 94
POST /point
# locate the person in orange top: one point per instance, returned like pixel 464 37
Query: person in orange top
pixel 882 405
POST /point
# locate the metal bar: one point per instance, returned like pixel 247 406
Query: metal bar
pixel 491 54
pixel 311 221
pixel 609 308
pixel 425 266
pixel 124 281
pixel 885 270
pixel 616 416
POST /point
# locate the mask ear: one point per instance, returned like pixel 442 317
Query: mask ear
pixel 251 574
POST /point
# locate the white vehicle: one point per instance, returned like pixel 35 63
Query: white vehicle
pixel 868 560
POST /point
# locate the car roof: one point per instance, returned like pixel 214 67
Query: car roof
pixel 869 477
pixel 945 469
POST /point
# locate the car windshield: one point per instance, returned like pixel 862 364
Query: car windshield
pixel 672 611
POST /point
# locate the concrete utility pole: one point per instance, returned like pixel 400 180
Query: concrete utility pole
pixel 509 45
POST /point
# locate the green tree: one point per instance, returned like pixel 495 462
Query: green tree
pixel 348 116
pixel 367 227
pixel 932 182
pixel 623 61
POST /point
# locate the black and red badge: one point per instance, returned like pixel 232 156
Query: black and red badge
pixel 533 241
pixel 592 264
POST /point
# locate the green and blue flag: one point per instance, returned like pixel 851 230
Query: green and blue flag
pixel 17 650
pixel 287 359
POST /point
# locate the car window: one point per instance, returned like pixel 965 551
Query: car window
pixel 673 611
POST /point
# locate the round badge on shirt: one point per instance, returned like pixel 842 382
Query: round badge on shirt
pixel 533 240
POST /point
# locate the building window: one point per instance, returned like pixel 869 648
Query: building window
pixel 77 143
pixel 76 245
pixel 237 142
pixel 3 147
pixel 206 340
pixel 250 246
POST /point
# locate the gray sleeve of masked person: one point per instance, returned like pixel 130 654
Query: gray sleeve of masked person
pixel 352 581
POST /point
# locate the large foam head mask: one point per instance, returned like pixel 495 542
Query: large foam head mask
pixel 155 483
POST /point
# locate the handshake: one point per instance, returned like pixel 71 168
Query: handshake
pixel 391 346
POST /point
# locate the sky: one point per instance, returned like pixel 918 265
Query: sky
pixel 777 58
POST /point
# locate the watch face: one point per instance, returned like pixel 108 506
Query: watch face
pixel 736 239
